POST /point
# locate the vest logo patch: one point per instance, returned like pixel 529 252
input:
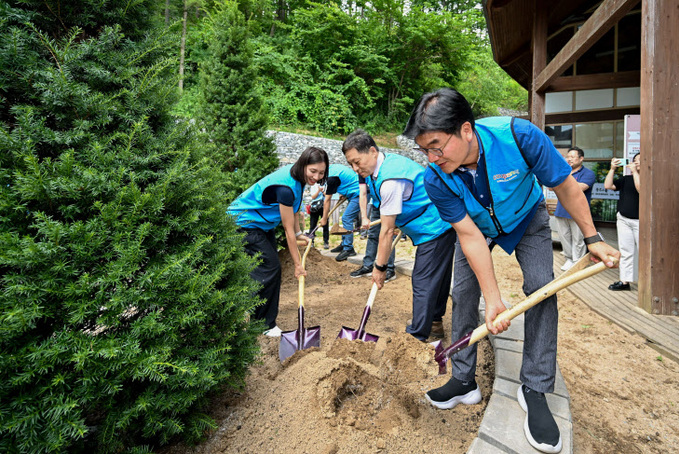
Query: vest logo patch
pixel 505 177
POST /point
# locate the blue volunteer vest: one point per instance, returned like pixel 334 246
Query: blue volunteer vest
pixel 419 218
pixel 251 211
pixel 514 190
pixel 348 180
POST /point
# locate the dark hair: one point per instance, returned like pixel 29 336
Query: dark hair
pixel 360 140
pixel 633 157
pixel 444 110
pixel 581 153
pixel 311 155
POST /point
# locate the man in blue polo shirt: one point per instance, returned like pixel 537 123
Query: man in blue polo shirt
pixel 572 240
pixel 483 178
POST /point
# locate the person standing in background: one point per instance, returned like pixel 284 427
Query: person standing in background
pixel 343 181
pixel 315 213
pixel 627 219
pixel 572 239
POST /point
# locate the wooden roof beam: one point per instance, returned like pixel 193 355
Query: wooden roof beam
pixel 603 19
pixel 596 81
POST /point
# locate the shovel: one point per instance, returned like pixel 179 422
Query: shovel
pixel 337 230
pixel 360 334
pixel 300 338
pixel 576 273
pixel 312 234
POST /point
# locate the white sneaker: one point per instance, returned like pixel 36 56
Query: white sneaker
pixel 567 266
pixel 273 332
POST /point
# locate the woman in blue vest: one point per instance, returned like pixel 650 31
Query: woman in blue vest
pixel 273 200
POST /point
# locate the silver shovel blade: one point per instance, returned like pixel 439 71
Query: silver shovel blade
pixel 353 334
pixel 290 341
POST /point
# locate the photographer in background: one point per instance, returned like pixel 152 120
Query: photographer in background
pixel 627 218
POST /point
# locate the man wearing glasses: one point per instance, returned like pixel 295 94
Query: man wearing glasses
pixel 483 178
pixel 395 183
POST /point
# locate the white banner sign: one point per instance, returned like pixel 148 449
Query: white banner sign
pixel 598 192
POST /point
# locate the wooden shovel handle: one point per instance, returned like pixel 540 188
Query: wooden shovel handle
pixel 537 296
pixel 373 290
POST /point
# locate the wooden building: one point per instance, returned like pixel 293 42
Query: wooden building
pixel 586 65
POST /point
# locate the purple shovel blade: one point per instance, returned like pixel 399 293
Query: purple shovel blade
pixel 353 334
pixel 311 337
pixel 359 334
pixel 442 355
pixel 291 341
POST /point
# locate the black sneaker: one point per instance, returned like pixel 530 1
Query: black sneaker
pixel 454 392
pixel 391 275
pixel 345 254
pixel 617 286
pixel 539 426
pixel 362 271
pixel 337 249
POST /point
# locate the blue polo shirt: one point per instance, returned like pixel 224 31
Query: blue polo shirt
pixel 583 175
pixel 545 162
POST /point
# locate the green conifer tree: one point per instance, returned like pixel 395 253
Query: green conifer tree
pixel 232 110
pixel 125 295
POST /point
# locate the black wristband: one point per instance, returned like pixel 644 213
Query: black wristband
pixel 381 268
pixel 594 238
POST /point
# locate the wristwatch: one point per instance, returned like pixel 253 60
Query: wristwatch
pixel 594 238
pixel 381 268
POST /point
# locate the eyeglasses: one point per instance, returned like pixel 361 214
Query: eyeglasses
pixel 437 151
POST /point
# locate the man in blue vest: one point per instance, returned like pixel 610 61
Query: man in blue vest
pixel 343 181
pixel 396 187
pixel 483 177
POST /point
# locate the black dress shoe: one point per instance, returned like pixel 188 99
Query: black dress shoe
pixel 339 248
pixel 616 286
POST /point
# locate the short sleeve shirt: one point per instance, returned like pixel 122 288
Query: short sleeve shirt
pixel 545 162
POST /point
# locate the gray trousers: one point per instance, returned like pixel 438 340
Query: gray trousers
pixel 432 273
pixel 534 254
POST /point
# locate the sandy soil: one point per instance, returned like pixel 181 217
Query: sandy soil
pixel 355 397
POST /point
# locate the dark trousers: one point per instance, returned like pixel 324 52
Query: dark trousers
pixel 313 220
pixel 267 273
pixel 432 274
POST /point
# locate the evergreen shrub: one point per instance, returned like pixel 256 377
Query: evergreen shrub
pixel 124 289
pixel 232 111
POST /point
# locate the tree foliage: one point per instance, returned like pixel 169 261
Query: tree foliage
pixel 332 67
pixel 125 290
pixel 231 109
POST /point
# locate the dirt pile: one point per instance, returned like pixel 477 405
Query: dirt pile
pixel 346 396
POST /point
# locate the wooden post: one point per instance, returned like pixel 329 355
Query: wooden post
pixel 659 196
pixel 539 51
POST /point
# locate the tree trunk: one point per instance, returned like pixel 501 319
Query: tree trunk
pixel 183 46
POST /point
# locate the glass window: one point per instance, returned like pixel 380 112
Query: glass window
pixel 619 138
pixel 559 102
pixel 561 135
pixel 596 139
pixel 630 96
pixel 594 99
pixel 600 57
pixel 629 43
